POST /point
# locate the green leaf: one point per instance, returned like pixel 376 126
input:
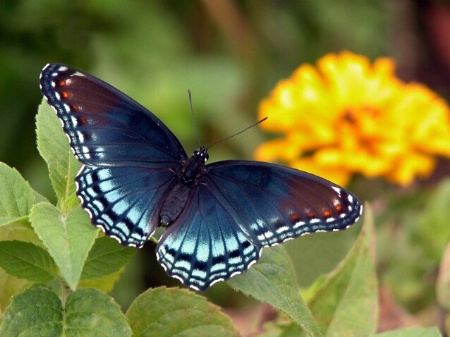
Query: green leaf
pixel 27 261
pixel 88 312
pixel 16 196
pixel 346 304
pixel 106 257
pixel 10 285
pixel 35 312
pixel 272 280
pixel 177 312
pixel 105 283
pixel 412 332
pixel 443 281
pixel 39 198
pixel 67 238
pixel 53 146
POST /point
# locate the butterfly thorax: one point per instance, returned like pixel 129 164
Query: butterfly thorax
pixel 189 175
pixel 192 168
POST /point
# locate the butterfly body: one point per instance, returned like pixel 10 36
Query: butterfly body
pixel 189 175
pixel 136 176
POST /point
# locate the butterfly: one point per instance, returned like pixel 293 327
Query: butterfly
pixel 136 177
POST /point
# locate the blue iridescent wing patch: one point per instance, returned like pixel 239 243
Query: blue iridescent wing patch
pixel 137 176
pixel 204 245
pixel 124 201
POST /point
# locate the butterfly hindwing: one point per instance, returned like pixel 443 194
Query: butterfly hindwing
pixel 204 245
pixel 124 202
pixel 106 127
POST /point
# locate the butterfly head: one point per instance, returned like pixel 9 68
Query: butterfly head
pixel 201 154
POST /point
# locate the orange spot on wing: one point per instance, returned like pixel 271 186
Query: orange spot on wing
pixel 294 217
pixel 311 215
pixel 326 213
pixel 75 107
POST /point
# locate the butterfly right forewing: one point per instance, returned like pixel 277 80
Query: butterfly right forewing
pixel 106 127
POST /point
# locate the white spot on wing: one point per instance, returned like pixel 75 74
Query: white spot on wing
pixel 337 189
pixel 74 121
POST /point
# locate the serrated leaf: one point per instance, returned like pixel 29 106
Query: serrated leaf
pixel 106 257
pixel 87 312
pixel 25 260
pixel 35 312
pixel 272 280
pixel 10 285
pixel 412 332
pixel 176 312
pixel 16 196
pixel 68 239
pixel 53 146
pixel 346 303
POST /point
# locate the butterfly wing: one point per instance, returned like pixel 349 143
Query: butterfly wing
pixel 240 207
pixel 106 127
pixel 130 156
pixel 204 245
pixel 124 202
pixel 272 203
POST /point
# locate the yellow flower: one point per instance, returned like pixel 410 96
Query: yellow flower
pixel 348 116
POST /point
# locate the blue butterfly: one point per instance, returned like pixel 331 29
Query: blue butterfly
pixel 136 176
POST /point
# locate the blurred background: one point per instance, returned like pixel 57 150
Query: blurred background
pixel 230 54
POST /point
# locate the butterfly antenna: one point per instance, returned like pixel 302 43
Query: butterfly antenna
pixel 238 133
pixel 194 120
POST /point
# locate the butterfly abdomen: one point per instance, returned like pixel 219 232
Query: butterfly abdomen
pixel 174 203
pixel 189 176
